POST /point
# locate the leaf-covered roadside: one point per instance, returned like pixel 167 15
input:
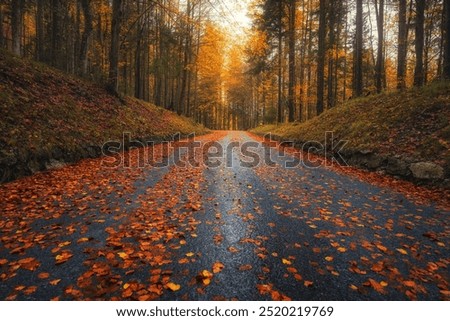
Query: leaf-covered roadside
pixel 50 115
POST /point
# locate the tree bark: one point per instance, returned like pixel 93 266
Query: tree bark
pixel 292 79
pixel 446 68
pixel 357 69
pixel 321 56
pixel 402 45
pixel 85 38
pixel 2 37
pixel 280 63
pixel 17 7
pixel 113 81
pixel 419 76
pixel 379 68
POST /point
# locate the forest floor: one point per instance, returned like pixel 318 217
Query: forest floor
pixel 240 225
pixel 49 116
pixel 410 126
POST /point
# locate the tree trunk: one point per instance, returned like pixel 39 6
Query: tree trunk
pixel 113 77
pixel 419 43
pixel 321 56
pixel 55 32
pixel 379 68
pixel 292 80
pixel 2 36
pixel 402 45
pixel 446 68
pixel 85 38
pixel 332 49
pixel 280 63
pixel 17 7
pixel 358 57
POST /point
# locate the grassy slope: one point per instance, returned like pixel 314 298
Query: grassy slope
pixel 43 109
pixel 413 124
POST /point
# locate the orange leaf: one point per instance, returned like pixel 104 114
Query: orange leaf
pixel 285 261
pixel 308 283
pixel 30 290
pixel 55 282
pixel 411 284
pixel 217 267
pixel 377 286
pixel 245 267
pixel 292 270
pixel 173 286
pixel 43 275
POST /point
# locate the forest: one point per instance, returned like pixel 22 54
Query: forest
pixel 296 59
pixel 225 150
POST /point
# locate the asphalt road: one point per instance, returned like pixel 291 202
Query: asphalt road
pixel 218 230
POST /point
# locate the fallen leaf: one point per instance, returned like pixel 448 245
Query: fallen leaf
pixel 43 275
pixel 55 282
pixel 292 270
pixel 245 267
pixel 411 284
pixel 382 248
pixel 63 257
pixel 402 251
pixel 286 261
pixel 173 286
pixel 308 283
pixel 29 263
pixel 217 267
pixel 30 290
pixel 377 286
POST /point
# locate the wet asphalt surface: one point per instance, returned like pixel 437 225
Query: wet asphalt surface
pixel 298 233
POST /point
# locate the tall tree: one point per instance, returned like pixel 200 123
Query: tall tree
pixel 88 28
pixel 402 41
pixel 446 68
pixel 292 77
pixel 2 36
pixel 17 8
pixel 113 77
pixel 358 52
pixel 321 56
pixel 379 68
pixel 280 61
pixel 419 76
